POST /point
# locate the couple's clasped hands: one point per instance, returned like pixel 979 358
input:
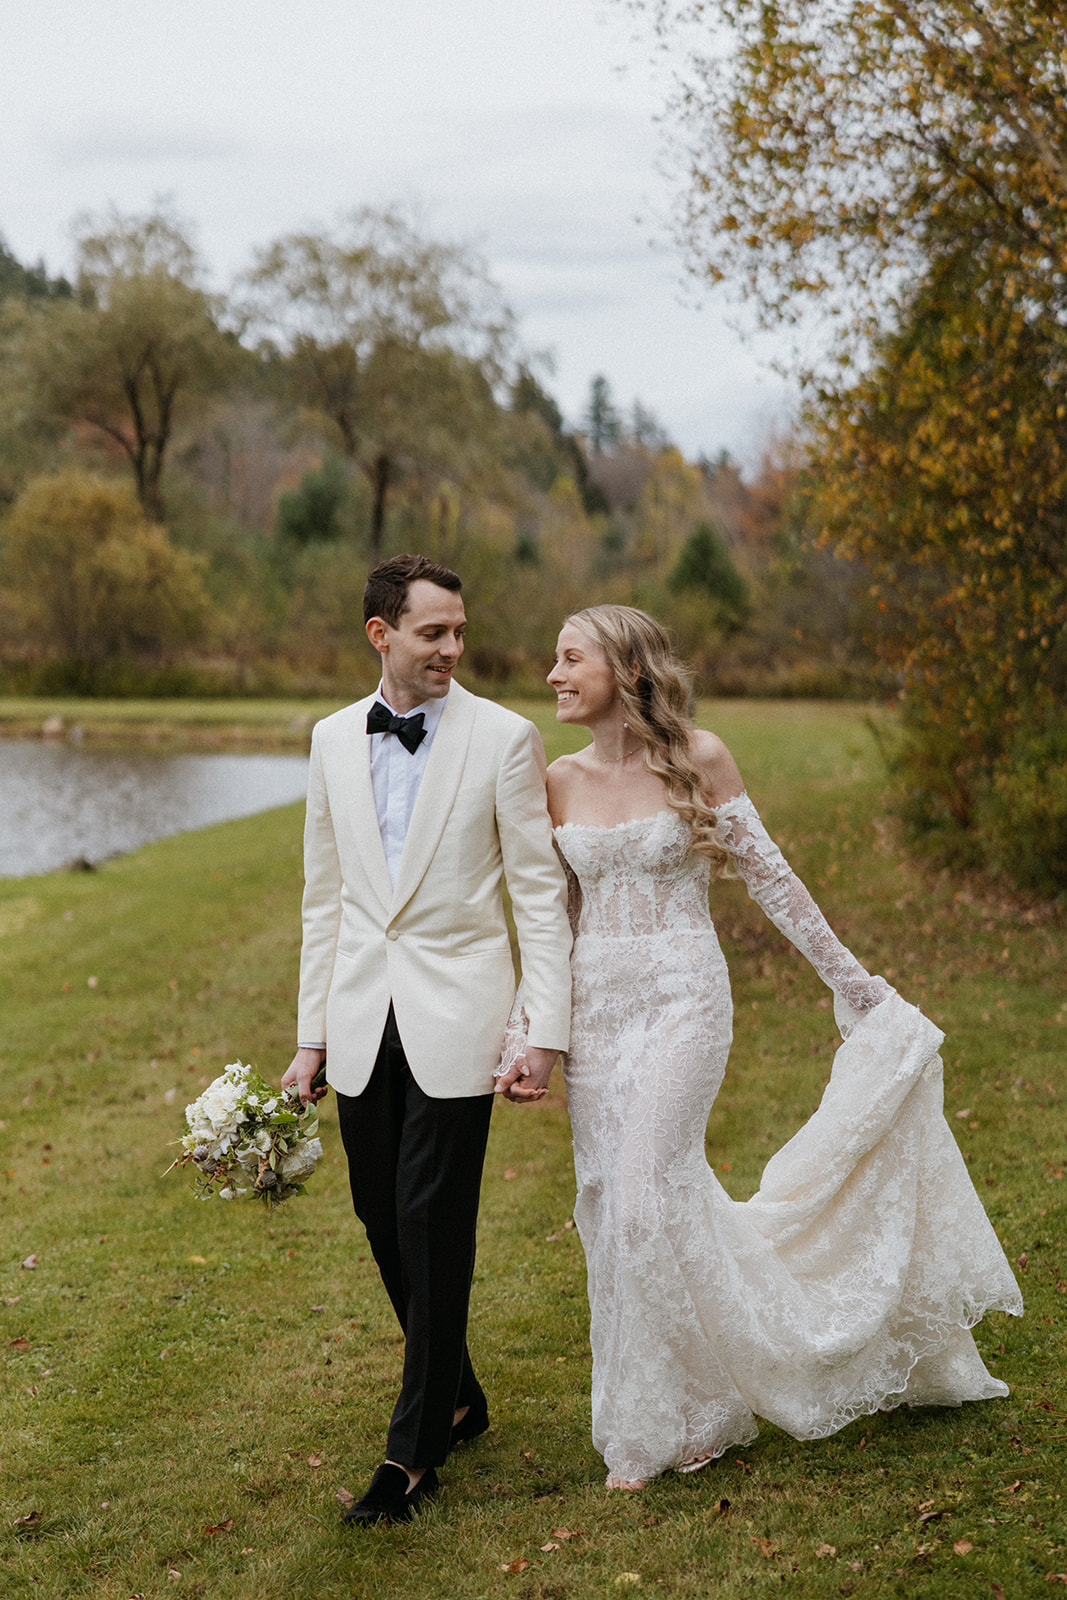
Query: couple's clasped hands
pixel 526 1077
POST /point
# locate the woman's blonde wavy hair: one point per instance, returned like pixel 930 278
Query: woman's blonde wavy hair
pixel 657 696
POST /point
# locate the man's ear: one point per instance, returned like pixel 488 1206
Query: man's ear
pixel 378 634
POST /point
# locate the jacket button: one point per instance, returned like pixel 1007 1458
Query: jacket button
pixel 392 934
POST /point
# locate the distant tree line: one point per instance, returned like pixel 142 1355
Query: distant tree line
pixel 193 485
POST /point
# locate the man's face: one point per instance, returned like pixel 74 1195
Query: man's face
pixel 421 652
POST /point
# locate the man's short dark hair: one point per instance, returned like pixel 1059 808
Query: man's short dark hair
pixel 386 594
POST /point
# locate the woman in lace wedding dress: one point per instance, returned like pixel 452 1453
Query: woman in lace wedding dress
pixel 850 1281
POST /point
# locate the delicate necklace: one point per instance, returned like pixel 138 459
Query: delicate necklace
pixel 612 761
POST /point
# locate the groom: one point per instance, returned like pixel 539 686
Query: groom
pixel 421 799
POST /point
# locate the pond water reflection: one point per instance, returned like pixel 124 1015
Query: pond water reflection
pixel 61 802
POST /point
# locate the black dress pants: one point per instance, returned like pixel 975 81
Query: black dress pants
pixel 415 1167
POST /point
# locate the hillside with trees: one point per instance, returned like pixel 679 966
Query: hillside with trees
pixel 193 486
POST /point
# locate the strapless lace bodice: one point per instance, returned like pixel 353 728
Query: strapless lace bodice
pixel 637 879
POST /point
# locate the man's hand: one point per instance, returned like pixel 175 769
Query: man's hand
pixel 528 1079
pixel 302 1069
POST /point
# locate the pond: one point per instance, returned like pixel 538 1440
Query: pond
pixel 62 803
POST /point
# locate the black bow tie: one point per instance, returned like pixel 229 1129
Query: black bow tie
pixel 409 730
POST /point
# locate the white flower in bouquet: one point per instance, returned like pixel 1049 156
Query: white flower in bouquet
pixel 245 1138
pixel 300 1162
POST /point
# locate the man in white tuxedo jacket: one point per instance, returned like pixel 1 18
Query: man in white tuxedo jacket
pixel 421 799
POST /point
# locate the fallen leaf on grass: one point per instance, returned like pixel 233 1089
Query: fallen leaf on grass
pixel 518 1565
pixel 551 1545
pixel 173 1573
pixel 766 1548
pixel 30 1263
pixel 29 1521
pixel 249 1550
pixel 568 1533
pixel 961 1114
pixel 963 1547
pixel 510 1173
pixel 218 1527
pixel 826 1550
pixel 1016 1485
pixel 197 1261
pixel 996 1590
pixel 931 1516
pixel 1056 1577
pixel 346 1497
pixel 314 1461
pixel 627 1577
pixel 21 1343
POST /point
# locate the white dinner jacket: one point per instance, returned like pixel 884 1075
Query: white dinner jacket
pixel 437 944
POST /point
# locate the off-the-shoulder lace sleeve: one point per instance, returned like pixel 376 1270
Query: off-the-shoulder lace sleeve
pixel 782 897
pixel 516 1033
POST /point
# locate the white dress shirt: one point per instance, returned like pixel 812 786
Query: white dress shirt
pixel 396 777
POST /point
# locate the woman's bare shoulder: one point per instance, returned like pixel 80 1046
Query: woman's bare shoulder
pixel 566 767
pixel 719 771
pixel 563 774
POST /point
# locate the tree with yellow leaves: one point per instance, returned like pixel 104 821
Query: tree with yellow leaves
pixel 903 164
pixel 90 579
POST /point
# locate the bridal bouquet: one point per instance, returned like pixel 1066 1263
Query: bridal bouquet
pixel 246 1138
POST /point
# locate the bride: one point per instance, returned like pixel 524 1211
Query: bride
pixel 849 1282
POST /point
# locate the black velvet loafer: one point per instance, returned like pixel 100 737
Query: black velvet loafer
pixel 389 1499
pixel 474 1421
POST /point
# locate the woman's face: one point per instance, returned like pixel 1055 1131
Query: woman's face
pixel 583 680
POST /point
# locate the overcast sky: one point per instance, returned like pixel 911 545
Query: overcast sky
pixel 523 127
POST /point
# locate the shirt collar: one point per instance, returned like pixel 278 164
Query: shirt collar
pixel 432 710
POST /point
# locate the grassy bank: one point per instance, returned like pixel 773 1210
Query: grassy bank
pixel 185 724
pixel 185 1387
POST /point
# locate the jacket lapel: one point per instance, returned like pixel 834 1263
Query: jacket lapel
pixel 364 816
pixel 437 793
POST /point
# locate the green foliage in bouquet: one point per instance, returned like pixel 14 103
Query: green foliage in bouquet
pixel 247 1138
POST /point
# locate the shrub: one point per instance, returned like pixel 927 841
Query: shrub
pixel 90 579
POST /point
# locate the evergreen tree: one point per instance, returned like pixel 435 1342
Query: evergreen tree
pixel 705 564
pixel 602 421
pixel 311 511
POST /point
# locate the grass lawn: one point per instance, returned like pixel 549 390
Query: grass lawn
pixel 186 1386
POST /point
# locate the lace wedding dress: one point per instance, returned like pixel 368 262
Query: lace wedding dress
pixel 848 1283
